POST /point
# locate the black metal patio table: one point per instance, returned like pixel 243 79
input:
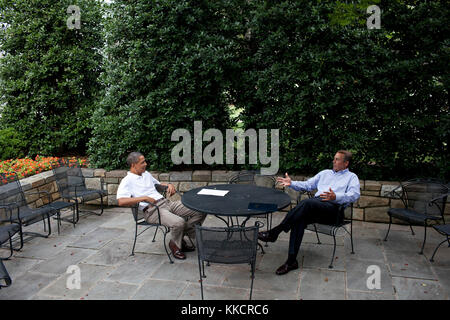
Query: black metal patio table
pixel 240 201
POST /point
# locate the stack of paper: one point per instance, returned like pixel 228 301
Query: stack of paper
pixel 212 192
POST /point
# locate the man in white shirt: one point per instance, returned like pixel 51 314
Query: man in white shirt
pixel 139 187
pixel 334 187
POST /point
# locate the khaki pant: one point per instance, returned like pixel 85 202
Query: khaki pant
pixel 177 217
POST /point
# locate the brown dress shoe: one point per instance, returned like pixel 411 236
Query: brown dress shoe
pixel 176 252
pixel 285 268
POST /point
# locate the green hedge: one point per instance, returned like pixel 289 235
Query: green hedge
pixel 49 73
pixel 380 93
pixel 169 64
pixel 12 144
pixel 309 68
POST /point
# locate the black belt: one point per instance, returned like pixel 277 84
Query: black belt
pixel 157 201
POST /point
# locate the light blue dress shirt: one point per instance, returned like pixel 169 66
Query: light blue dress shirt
pixel 345 185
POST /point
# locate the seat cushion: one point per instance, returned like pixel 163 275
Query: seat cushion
pixel 411 215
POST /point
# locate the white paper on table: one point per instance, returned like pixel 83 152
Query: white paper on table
pixel 212 192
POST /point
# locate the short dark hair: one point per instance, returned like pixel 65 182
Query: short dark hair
pixel 133 158
pixel 347 155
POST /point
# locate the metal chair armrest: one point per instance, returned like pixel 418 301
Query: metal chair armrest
pixel 162 189
pixel 442 196
pixel 9 206
pixel 157 210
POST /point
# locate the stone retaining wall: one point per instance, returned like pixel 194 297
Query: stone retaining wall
pixel 372 205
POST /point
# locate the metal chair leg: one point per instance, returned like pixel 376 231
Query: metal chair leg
pixel 134 244
pixel 165 246
pixel 317 235
pixel 253 277
pixel 78 211
pixel 201 277
pixel 424 239
pixel 351 240
pixel 412 231
pixel 58 215
pixel 101 205
pixel 435 250
pixel 154 236
pixel 334 251
pixel 389 228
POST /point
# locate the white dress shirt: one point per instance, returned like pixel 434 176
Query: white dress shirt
pixel 135 186
pixel 345 185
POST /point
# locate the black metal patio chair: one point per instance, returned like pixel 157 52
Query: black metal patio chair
pixel 72 187
pixel 333 229
pixel 15 209
pixel 254 178
pixel 6 234
pixel 227 245
pixel 443 229
pixel 424 201
pixel 138 216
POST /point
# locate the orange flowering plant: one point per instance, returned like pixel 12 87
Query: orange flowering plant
pixel 27 167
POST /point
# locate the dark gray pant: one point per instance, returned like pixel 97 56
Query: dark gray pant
pixel 308 211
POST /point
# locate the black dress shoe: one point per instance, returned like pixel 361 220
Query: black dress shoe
pixel 285 268
pixel 186 248
pixel 266 237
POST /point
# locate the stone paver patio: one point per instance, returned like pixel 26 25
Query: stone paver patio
pixel 101 245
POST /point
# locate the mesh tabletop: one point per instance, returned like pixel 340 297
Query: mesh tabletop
pixel 237 201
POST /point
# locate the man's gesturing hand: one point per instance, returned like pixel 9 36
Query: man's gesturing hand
pixel 286 181
pixel 170 189
pixel 328 196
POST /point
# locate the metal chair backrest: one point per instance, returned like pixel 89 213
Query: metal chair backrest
pixel 69 179
pixel 11 193
pixel 253 178
pixel 227 245
pixel 417 194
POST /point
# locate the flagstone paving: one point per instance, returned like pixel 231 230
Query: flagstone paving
pixel 101 245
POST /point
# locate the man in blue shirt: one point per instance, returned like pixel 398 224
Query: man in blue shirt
pixel 334 187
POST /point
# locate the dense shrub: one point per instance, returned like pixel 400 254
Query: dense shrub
pixel 12 144
pixel 380 93
pixel 49 73
pixel 309 68
pixel 168 64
